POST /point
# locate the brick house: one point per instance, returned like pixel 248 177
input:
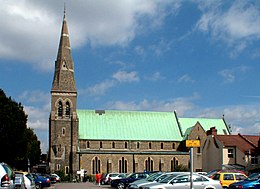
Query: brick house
pixel 230 151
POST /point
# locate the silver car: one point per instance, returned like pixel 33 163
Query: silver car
pixel 7 176
pixel 182 181
pixel 153 178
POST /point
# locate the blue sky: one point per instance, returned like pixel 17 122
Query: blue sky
pixel 200 58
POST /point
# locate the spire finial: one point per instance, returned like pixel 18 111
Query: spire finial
pixel 64 10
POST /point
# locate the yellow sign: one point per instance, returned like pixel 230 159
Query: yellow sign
pixel 192 143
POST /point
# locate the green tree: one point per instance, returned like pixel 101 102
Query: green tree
pixel 18 143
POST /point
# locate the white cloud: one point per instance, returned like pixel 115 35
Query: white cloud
pixel 98 89
pixel 185 78
pixel 123 76
pixel 236 25
pixel 30 30
pixel 182 105
pixel 155 77
pixel 229 75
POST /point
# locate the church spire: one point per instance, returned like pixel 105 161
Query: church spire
pixel 64 68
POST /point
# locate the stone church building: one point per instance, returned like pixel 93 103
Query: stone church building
pixel 113 140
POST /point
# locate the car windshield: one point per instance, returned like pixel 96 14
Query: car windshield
pixel 154 176
pixel 168 178
pixel 253 177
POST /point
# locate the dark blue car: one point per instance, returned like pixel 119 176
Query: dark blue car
pixel 124 182
pixel 41 181
pixel 252 182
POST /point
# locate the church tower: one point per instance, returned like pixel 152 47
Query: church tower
pixel 63 121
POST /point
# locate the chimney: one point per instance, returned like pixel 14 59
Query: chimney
pixel 212 131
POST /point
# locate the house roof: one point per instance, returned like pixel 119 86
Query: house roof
pixel 238 141
pixel 188 123
pixel 137 125
pixel 128 125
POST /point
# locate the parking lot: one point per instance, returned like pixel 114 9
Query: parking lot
pixel 78 185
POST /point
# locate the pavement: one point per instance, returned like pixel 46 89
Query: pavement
pixel 79 185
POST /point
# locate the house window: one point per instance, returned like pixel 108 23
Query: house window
pixel 88 144
pixel 100 145
pixel 230 153
pixel 254 159
pixel 63 131
pixel 149 164
pixel 95 165
pixel 150 145
pixel 138 145
pixel 60 109
pixel 125 144
pixel 161 145
pixel 67 109
pixel 173 145
pixel 58 167
pixel 113 145
pixel 122 165
pixel 67 170
pixel 174 164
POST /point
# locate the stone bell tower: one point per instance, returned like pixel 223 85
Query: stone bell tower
pixel 63 121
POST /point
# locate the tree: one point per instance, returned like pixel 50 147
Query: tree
pixel 18 143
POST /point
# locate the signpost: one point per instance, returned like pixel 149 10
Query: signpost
pixel 191 144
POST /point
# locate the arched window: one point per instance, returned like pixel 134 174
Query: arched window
pixel 88 144
pixel 174 164
pixel 113 145
pixel 67 112
pixel 95 165
pixel 123 165
pixel 149 164
pixel 60 109
pixel 150 145
pixel 173 145
pixel 138 145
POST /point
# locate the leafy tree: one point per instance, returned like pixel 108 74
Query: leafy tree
pixel 18 143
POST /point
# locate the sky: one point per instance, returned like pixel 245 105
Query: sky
pixel 199 58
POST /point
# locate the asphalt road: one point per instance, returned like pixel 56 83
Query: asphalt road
pixel 79 185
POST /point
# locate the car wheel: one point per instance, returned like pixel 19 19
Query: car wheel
pixel 38 186
pixel 120 185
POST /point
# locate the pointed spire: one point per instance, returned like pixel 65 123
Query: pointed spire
pixel 64 67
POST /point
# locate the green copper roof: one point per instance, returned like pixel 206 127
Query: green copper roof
pixel 188 123
pixel 128 125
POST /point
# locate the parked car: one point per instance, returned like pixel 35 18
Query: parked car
pixel 182 181
pixel 41 181
pixel 55 177
pixel 29 182
pixel 105 178
pixel 227 178
pixel 116 176
pixel 213 172
pixel 124 182
pixel 19 181
pixel 252 182
pixel 155 177
pixel 7 176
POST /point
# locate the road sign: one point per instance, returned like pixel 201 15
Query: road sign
pixel 192 143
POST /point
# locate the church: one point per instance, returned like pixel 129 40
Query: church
pixel 112 140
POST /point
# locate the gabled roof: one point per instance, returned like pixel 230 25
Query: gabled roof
pixel 128 125
pixel 236 141
pixel 188 123
pixel 137 125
